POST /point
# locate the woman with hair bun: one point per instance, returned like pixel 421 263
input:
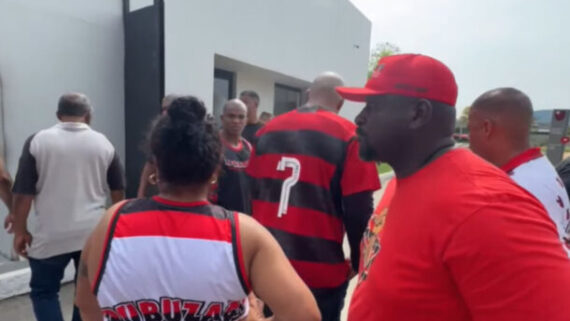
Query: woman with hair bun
pixel 177 257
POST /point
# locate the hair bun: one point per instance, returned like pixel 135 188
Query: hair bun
pixel 187 109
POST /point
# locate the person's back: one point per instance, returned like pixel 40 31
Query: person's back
pixel 66 172
pixel 177 257
pixel 158 237
pixel 308 147
pixel 474 216
pixel 309 187
pixel 72 162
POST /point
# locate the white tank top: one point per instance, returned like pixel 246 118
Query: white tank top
pixel 535 173
pixel 164 260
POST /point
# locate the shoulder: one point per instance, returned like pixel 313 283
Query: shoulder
pixel 469 183
pixel 535 172
pixel 540 179
pixel 101 139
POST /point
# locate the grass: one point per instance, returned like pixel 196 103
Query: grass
pixel 383 168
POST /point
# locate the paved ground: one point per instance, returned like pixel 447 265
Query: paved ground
pixel 20 308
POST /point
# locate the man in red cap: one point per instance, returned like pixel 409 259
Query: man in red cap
pixel 461 241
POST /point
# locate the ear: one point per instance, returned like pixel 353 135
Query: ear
pixel 422 113
pixel 58 116
pixel 340 103
pixel 488 127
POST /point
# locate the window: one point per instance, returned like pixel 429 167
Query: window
pixel 286 99
pixel 224 90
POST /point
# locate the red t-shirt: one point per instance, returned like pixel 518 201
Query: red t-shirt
pixel 462 241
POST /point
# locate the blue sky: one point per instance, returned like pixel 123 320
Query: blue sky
pixel 487 44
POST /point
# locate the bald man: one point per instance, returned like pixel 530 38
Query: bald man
pixel 309 186
pixel 232 189
pixel 499 131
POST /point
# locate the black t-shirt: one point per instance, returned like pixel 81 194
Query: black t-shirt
pixel 232 191
pixel 250 130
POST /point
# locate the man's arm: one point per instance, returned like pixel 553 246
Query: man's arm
pixel 359 181
pixel 21 209
pixel 357 210
pixel 24 191
pixel 116 180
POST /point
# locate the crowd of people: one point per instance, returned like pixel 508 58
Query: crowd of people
pixel 246 220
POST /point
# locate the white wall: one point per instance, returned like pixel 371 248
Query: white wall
pixel 262 84
pixel 299 38
pixel 51 47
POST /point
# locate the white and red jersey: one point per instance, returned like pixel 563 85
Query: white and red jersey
pixel 533 172
pixel 167 260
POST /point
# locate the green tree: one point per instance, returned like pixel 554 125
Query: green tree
pixel 464 118
pixel 381 50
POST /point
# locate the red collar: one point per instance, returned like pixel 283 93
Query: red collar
pixel 178 203
pixel 524 157
pixel 237 148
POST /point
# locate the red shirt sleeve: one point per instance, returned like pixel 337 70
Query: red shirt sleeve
pixel 510 266
pixel 358 176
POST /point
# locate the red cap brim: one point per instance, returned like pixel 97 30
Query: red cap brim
pixel 356 94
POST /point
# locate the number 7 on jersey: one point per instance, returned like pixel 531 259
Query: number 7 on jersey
pixel 295 165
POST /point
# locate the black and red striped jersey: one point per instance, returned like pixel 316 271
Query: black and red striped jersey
pixel 303 164
pixel 173 261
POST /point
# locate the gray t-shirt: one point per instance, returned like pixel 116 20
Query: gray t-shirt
pixel 69 169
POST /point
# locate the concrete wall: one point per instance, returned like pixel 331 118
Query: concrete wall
pixel 262 84
pixel 298 38
pixel 51 47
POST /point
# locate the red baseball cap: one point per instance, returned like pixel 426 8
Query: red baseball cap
pixel 407 75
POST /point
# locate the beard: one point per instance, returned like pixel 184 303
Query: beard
pixel 367 153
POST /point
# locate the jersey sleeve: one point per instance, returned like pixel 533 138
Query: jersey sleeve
pixel 358 175
pixel 509 267
pixel 27 175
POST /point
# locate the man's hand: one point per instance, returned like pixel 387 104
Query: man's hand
pixel 351 273
pixel 21 243
pixel 9 223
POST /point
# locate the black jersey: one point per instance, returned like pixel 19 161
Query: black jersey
pixel 232 191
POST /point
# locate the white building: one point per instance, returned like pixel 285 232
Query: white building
pixel 125 55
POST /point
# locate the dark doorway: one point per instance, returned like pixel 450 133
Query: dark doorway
pixel 286 99
pixel 144 83
pixel 224 90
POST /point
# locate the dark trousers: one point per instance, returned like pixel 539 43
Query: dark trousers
pixel 45 284
pixel 330 302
